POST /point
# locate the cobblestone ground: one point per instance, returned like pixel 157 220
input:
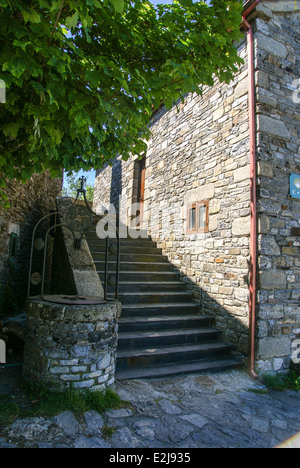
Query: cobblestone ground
pixel 225 410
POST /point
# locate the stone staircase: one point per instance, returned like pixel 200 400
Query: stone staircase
pixel 161 329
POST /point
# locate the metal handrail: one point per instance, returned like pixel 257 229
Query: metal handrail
pixel 77 244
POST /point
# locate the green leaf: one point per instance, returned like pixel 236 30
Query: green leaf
pixel 186 3
pixel 21 44
pixel 39 88
pixel 93 77
pixel 188 84
pixel 106 75
pixel 118 5
pixel 72 21
pixel 31 16
pixel 16 67
pixel 56 172
pixel 11 129
pixel 124 84
pixel 93 3
pixel 81 119
pixel 56 136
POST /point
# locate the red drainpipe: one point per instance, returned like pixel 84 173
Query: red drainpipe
pixel 253 203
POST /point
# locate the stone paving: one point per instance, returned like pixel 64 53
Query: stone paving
pixel 224 410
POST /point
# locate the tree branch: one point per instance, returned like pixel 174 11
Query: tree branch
pixel 56 22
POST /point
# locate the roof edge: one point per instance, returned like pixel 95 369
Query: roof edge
pixel 247 4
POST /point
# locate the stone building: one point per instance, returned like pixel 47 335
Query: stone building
pixel 217 195
pixel 27 203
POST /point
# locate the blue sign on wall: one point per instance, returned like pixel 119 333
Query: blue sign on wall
pixel 295 186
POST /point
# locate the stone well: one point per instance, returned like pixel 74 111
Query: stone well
pixel 71 346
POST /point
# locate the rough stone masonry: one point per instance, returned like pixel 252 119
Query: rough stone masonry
pixel 28 203
pixel 71 346
pixel 202 154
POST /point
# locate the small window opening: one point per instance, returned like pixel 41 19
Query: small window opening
pixel 192 218
pixel 13 246
pixel 198 217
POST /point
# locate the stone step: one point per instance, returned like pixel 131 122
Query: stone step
pixel 141 339
pixel 176 322
pixel 136 266
pixel 151 286
pixel 155 297
pixel 96 243
pixel 140 358
pixel 129 249
pixel 133 233
pixel 143 277
pixel 202 365
pixel 125 232
pixel 131 257
pixel 161 331
pixel 158 310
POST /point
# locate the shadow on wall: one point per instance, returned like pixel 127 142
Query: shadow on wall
pixel 234 330
pixel 234 327
pixel 62 280
pixel 116 186
pixel 115 191
pixel 13 288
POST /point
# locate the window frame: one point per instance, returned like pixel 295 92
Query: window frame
pixel 196 206
pixel 13 246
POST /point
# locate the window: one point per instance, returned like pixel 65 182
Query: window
pixel 198 217
pixel 13 247
pixel 192 218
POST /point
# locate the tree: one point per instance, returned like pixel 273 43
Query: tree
pixel 84 76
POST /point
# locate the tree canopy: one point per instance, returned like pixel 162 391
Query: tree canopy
pixel 84 76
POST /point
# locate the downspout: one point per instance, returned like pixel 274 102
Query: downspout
pixel 253 202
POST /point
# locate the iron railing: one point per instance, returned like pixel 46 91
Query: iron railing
pixel 78 226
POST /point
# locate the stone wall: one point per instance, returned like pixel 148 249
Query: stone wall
pixel 115 187
pixel 70 346
pixel 28 203
pixel 278 151
pixel 202 153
